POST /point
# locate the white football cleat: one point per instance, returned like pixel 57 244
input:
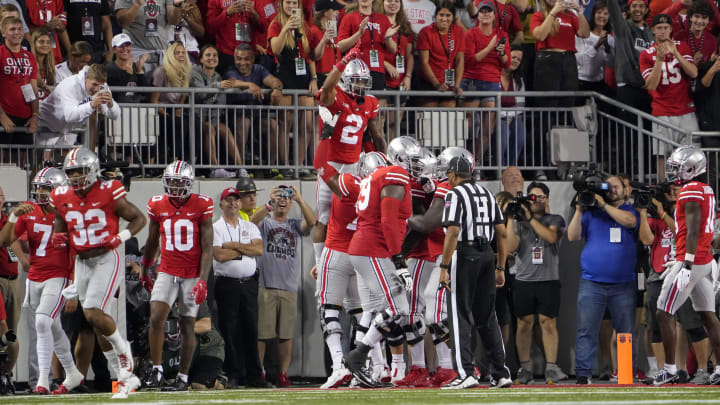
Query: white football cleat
pixel 338 377
pixel 126 387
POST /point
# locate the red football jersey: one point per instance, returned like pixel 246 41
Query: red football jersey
pixel 437 237
pixel 180 243
pixel 46 262
pixel 16 70
pixel 702 194
pixel 372 39
pixel 421 250
pixel 342 224
pixel 368 239
pixel 490 67
pixel 91 218
pixel 439 46
pixel 673 96
pixel 564 38
pixel 345 144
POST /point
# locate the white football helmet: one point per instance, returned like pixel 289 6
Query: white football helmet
pixel 444 158
pixel 86 162
pixel 178 179
pixel 369 162
pixel 684 164
pixel 44 182
pixel 356 79
pixel 403 151
pixel 423 166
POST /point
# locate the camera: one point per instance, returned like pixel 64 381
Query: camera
pixel 588 186
pixel 514 208
pixel 642 196
pixel 287 192
pixel 7 338
pixel 6 385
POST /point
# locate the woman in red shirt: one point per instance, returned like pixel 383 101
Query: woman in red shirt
pixel 485 58
pixel 292 42
pixel 441 46
pixel 327 53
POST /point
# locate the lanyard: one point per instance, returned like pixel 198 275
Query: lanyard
pixel 501 17
pixel 691 42
pixel 229 233
pixel 372 37
pixel 447 52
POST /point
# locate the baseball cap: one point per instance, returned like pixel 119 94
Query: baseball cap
pixel 486 4
pixel 459 166
pixel 322 5
pixel 120 40
pixel 661 19
pixel 245 185
pixel 228 192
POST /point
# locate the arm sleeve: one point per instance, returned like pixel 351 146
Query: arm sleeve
pixel 620 28
pixel 208 208
pixel 646 64
pixel 536 20
pixel 423 42
pixel 345 29
pixel 73 111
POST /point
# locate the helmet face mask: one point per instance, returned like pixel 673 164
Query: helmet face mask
pixel 369 162
pixel 403 151
pixel 444 158
pixel 356 79
pixel 178 179
pixel 685 164
pixel 44 182
pixel 80 181
pixel 82 168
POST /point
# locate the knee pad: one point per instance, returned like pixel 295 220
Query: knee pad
pixel 696 334
pixel 440 332
pixel 414 333
pixel 43 324
pixel 330 319
pixel 396 337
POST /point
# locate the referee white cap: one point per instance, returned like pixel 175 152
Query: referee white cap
pixel 460 167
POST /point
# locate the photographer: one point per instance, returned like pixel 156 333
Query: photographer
pixel 536 235
pixel 609 229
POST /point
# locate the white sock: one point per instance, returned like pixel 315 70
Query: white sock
pixel 376 354
pixel 113 362
pixel 335 347
pixel 365 320
pixel 318 247
pixel 43 381
pixel 117 342
pixel 182 377
pixel 417 352
pixel 373 336
pixel 444 355
pixel 652 362
pixel 671 368
pixel 398 358
pixel 62 349
pixel 717 369
pixel 160 367
pixel 43 328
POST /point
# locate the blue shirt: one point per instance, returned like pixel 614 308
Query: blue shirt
pixel 257 75
pixel 604 261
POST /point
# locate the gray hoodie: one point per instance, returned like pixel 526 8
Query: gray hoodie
pixel 630 41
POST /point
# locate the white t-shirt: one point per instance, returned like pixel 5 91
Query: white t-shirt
pixel 420 13
pixel 244 232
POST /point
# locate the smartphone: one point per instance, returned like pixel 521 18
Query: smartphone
pixel 287 191
pixel 503 40
pixel 103 89
pixel 295 11
pixel 331 26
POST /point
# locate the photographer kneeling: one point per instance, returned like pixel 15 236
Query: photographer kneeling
pixel 536 236
pixel 608 270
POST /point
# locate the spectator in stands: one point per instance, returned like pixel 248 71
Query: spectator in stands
pixel 326 53
pixel 512 126
pixel 668 67
pixel 149 26
pixel 89 20
pixel 215 133
pixel 594 52
pixel 246 74
pixel 526 8
pixel 51 15
pixel 266 11
pixel 707 99
pixel 280 272
pixel 512 181
pixel 536 236
pixel 485 58
pixel 291 44
pixel 174 72
pixel 207 363
pixel 441 47
pixel 420 14
pixel 508 19
pixel 608 279
pixel 230 23
pixel 126 72
pixel 236 243
pixel 10 10
pixel 42 49
pixel 697 35
pixel 399 65
pixel 373 42
pixel 189 29
pixel 80 55
pixel 679 12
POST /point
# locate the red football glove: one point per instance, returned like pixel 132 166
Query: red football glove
pixel 111 242
pixel 59 240
pixel 199 292
pixel 147 282
pixel 352 54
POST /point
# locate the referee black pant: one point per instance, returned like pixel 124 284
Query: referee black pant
pixel 472 305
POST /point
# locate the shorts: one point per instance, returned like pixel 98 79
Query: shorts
pixel 536 297
pixel 46 297
pixel 277 313
pixel 9 289
pixel 479 85
pixel 169 289
pixel 687 122
pixel 323 194
pixel 98 279
pixel 337 282
pixel 700 290
pixel 378 82
pixel 205 370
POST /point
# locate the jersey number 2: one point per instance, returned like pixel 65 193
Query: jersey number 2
pixel 174 235
pixel 350 132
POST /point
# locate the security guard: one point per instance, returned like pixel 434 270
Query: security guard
pixel 472 218
pixel 248 197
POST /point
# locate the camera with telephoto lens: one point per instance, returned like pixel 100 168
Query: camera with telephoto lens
pixel 6 385
pixel 589 185
pixel 514 208
pixel 642 196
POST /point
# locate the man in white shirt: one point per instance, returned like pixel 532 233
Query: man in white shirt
pixel 236 242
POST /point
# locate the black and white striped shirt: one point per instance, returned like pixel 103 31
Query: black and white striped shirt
pixel 474 209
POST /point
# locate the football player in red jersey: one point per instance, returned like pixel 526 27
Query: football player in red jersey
pixel 345 111
pixel 182 222
pixel 689 274
pixel 49 274
pixel 87 212
pixel 384 204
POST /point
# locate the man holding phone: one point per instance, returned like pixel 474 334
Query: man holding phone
pixel 231 23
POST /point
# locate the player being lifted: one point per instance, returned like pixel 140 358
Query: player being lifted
pixel 87 212
pixel 182 222
pixel 346 112
pixel 688 276
pixel 50 272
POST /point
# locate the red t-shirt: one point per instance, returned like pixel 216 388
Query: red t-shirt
pixel 7 266
pixel 490 67
pixel 402 41
pixel 372 38
pixel 564 38
pixel 91 218
pixel 267 10
pixel 46 262
pixel 312 38
pixel 442 48
pixel 506 17
pixel 39 13
pixel 225 28
pixel 673 96
pixel 437 237
pixel 707 44
pixel 662 250
pixel 180 242
pixel 331 55
pixel 702 194
pixel 16 70
pixel 368 239
pixel 342 223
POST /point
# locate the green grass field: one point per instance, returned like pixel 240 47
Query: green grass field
pixel 557 395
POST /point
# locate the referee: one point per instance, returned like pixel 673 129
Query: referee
pixel 471 219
